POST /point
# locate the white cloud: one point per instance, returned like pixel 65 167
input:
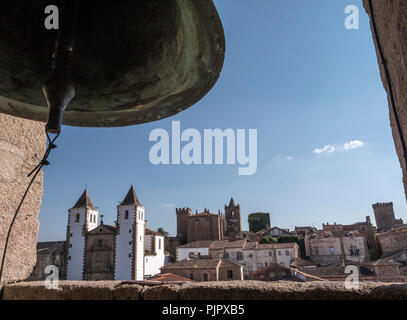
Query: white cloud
pixel 354 144
pixel 167 205
pixel 280 157
pixel 326 149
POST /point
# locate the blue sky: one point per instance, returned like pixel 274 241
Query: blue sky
pixel 293 72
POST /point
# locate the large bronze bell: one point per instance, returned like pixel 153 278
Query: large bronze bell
pixel 134 61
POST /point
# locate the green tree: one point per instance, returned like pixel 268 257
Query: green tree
pixel 268 239
pixel 163 232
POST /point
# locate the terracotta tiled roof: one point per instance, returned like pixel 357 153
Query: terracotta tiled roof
pixel 197 244
pixel 131 198
pixel 300 262
pixel 84 201
pixel 252 245
pixel 170 277
pixel 193 264
pixel 220 244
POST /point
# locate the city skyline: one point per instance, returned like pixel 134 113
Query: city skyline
pixel 312 90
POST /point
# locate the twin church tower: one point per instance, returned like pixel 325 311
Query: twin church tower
pixel 101 252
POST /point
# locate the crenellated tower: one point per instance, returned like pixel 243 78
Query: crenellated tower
pixel 182 220
pixel 82 217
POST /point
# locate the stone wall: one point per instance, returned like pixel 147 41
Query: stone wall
pixel 391 21
pixel 22 145
pixel 231 290
pixel 393 241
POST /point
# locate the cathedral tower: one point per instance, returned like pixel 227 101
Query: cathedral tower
pixel 233 221
pixel 129 263
pixel 82 217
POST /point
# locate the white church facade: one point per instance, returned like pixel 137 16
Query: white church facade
pixel 126 251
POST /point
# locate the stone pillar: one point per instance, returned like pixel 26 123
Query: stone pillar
pixel 22 145
pixel 391 22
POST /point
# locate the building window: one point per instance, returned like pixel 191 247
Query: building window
pixel 331 250
pixel 279 252
pixel 270 253
pixel 129 230
pixel 230 274
pixel 77 218
pixel 354 251
pixel 239 256
pixel 287 253
pixel 259 265
pixel 100 242
pixel 191 276
pixel 129 243
pixel 272 275
pixel 126 214
pixel 226 256
pixel 129 255
pixel 159 244
pixel 205 277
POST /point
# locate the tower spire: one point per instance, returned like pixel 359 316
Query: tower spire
pixel 84 201
pixel 131 198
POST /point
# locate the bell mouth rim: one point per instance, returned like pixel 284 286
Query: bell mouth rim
pixel 144 110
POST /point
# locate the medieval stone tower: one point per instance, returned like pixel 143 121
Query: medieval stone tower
pixel 82 217
pixel 129 262
pixel 233 221
pixel 384 215
pixel 182 221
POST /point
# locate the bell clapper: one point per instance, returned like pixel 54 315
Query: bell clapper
pixel 58 88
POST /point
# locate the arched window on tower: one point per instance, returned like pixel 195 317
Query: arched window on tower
pixel 126 214
pixel 77 217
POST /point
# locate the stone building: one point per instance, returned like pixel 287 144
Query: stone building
pixel 206 269
pixel 196 248
pixel 392 241
pixel 273 232
pixel 276 272
pixel 384 215
pixel 100 253
pixel 126 251
pixel 328 247
pixel 253 255
pixel 364 228
pixel 49 253
pixel 206 226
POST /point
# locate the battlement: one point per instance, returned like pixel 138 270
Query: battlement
pixel 382 204
pixel 183 211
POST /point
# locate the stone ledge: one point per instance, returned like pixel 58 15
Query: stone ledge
pixel 231 290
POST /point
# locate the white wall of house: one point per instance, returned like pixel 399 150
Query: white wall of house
pixel 183 253
pixel 77 218
pixel 153 262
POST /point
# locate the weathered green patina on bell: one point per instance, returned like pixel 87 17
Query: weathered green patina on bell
pixel 134 61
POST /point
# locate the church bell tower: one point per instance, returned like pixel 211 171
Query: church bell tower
pixel 82 217
pixel 233 220
pixel 129 263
